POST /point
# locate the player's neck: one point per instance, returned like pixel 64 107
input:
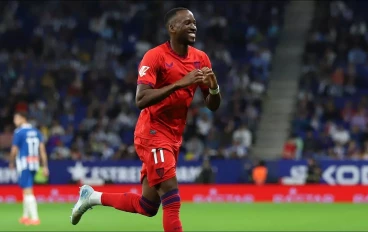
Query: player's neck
pixel 23 124
pixel 180 49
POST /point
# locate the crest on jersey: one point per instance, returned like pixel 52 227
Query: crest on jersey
pixel 197 64
pixel 160 172
pixel 142 71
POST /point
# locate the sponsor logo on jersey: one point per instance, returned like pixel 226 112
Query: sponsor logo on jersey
pixel 169 65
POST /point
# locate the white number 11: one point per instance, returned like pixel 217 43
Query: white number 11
pixel 154 151
pixel 33 145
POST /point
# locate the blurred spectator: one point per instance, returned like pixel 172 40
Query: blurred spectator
pixel 353 151
pixel 357 55
pixel 348 111
pixel 67 138
pixel 60 152
pixel 314 172
pixel 299 147
pixel 227 135
pixel 356 135
pixel 330 112
pixel 204 125
pixel 259 173
pixel 194 147
pixel 75 153
pixel 338 151
pixel 359 119
pixel 56 129
pixel 310 145
pixel 340 135
pixel 243 136
pixel 246 175
pixel 107 151
pixel 89 122
pixel 6 138
pixel 237 150
pixel 364 154
pixel 206 176
pixel 213 140
pixel 290 147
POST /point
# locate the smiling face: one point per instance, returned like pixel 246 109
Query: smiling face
pixel 183 27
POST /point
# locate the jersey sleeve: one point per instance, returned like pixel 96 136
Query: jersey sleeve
pixel 206 63
pixel 16 139
pixel 148 68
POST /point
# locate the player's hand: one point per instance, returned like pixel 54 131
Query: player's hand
pixel 11 165
pixel 194 77
pixel 45 171
pixel 209 78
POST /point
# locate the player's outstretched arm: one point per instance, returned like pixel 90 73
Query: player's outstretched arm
pixel 147 96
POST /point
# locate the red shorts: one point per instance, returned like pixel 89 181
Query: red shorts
pixel 159 159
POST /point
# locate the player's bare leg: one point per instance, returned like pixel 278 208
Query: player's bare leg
pixel 150 193
pixel 170 198
pixel 30 214
pixel 146 204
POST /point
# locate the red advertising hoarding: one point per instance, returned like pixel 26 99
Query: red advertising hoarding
pixel 209 193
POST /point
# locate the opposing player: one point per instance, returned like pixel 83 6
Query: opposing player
pixel 27 149
pixel 169 75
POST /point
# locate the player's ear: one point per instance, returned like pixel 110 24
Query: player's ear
pixel 171 28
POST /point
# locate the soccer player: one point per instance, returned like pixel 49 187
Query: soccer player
pixel 168 77
pixel 26 150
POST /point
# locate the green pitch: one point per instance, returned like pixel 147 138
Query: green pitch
pixel 201 217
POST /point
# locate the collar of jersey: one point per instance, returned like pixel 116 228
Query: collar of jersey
pixel 26 125
pixel 176 54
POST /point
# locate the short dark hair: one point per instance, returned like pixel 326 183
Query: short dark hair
pixel 23 114
pixel 262 163
pixel 171 13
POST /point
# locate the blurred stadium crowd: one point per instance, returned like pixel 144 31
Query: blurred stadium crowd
pixel 331 117
pixel 72 66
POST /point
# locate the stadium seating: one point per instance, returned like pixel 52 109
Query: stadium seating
pixel 332 112
pixel 73 67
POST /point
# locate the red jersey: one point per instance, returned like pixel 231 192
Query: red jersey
pixel 160 67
